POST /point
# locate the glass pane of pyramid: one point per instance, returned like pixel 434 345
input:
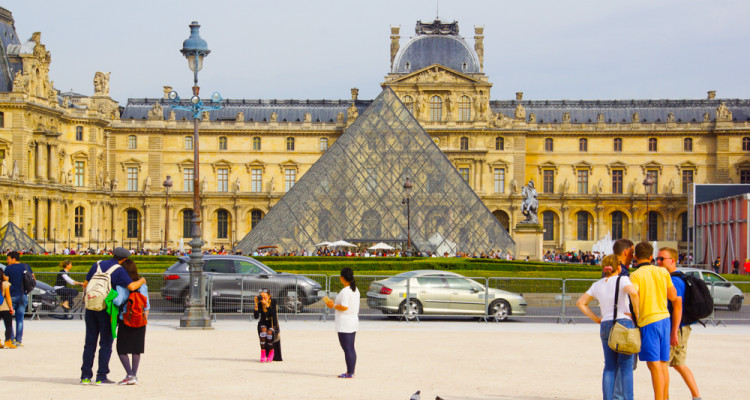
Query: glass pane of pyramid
pixel 13 238
pixel 354 192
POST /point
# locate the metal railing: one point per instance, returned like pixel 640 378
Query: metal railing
pixel 411 299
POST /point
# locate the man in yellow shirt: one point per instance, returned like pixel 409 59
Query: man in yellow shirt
pixel 654 286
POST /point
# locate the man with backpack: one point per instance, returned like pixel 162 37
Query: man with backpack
pixel 678 354
pixel 100 280
pixel 22 281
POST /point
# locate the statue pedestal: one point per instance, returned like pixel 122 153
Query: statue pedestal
pixel 529 239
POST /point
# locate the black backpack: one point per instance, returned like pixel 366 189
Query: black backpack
pixel 29 283
pixel 697 302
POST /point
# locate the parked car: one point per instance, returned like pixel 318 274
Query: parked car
pixel 441 293
pixel 235 280
pixel 43 296
pixel 725 294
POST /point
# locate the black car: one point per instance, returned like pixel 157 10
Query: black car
pixel 43 296
pixel 235 280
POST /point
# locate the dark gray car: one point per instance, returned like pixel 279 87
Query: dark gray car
pixel 235 280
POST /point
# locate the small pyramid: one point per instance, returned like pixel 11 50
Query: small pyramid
pixel 13 238
pixel 355 191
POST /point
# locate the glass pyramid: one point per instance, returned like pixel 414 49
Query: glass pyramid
pixel 355 190
pixel 13 238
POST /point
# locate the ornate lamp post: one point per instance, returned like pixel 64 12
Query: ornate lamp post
pixel 106 240
pixel 647 183
pixel 54 240
pixel 407 187
pixel 44 236
pixel 68 239
pixel 167 185
pixel 195 49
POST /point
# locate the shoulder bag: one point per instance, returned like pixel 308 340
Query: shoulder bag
pixel 622 339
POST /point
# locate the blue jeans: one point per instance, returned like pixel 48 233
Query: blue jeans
pixel 98 327
pixel 19 306
pixel 616 364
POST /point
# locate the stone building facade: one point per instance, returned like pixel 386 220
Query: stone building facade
pixel 85 171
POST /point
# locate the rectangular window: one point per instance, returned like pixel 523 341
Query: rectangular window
pixel 223 143
pixel 583 181
pixel 256 144
pixel 464 172
pixel 499 180
pixel 133 179
pixel 290 177
pixel 745 176
pixel 654 174
pixel 583 226
pixel 256 180
pixel 223 176
pixel 188 174
pixel 549 181
pixel 79 133
pixel 80 170
pixel 687 179
pixel 323 144
pixel 548 219
pixel 617 176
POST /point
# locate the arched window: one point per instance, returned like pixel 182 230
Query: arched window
pixel 79 220
pixel 188 142
pixel 255 217
pixel 617 145
pixel 464 109
pixel 79 133
pixel 133 222
pixel 290 144
pixel 652 144
pixel 222 224
pixel 687 144
pixel 499 143
pixel 132 142
pixel 583 144
pixel 436 109
pixel 746 144
pixel 548 221
pixel 256 144
pixel 503 218
pixel 409 103
pixel 323 144
pixel 617 231
pixel 187 223
pixel 582 225
pixel 464 143
pixel 223 143
pixel 549 144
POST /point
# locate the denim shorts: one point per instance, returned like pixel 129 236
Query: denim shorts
pixel 655 341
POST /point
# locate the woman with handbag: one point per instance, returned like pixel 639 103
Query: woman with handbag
pixel 268 327
pixel 605 291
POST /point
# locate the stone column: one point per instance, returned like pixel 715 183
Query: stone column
pixel 476 175
pixel 39 218
pixel 144 225
pixel 633 225
pixel 52 218
pixel 52 163
pixel 40 150
pixel 564 212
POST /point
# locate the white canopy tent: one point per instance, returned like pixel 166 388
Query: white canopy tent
pixel 381 246
pixel 342 243
pixel 321 244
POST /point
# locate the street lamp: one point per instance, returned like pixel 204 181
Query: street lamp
pixel 167 185
pixel 407 187
pixel 54 240
pixel 89 239
pixel 106 240
pixel 68 239
pixel 44 236
pixel 647 183
pixel 195 49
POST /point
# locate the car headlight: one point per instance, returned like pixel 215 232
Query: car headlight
pixel 42 291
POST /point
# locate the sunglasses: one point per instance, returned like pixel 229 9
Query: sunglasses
pixel 661 259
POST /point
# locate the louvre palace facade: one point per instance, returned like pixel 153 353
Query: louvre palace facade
pixel 85 170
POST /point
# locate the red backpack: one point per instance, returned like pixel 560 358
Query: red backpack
pixel 135 316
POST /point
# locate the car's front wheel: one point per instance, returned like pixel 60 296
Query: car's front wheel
pixel 410 310
pixel 735 304
pixel 499 310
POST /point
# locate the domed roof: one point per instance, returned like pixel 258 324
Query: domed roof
pixel 436 43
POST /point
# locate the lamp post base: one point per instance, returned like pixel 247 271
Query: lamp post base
pixel 195 317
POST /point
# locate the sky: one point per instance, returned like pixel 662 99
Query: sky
pixel 319 49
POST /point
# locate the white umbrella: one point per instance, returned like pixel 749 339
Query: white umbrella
pixel 380 246
pixel 323 244
pixel 342 243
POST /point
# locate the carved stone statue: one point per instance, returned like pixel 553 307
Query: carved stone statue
pixel 394 42
pixel 274 116
pixel 236 187
pixel 599 187
pixel 172 115
pixel 566 118
pixel 532 118
pixel 3 169
pixel 566 186
pixel 723 113
pixel 670 187
pixel 636 117
pixel 15 173
pixel 271 184
pixel 156 112
pixel 147 184
pixel 599 118
pixel 479 45
pixel 307 117
pixel 204 185
pixel 520 112
pixel 107 182
pixel 240 117
pixel 115 183
pixel 352 113
pixel 340 118
pixel 513 186
pixel 670 117
pixel 706 117
pixel 530 204
pixel 101 83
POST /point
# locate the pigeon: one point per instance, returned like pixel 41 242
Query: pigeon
pixel 416 396
pixel 438 398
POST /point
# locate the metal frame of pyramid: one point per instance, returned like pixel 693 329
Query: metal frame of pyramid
pixel 355 191
pixel 14 238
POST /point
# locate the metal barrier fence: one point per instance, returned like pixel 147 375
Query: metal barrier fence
pixel 405 298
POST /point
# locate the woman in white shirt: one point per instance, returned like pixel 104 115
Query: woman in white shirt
pixel 603 291
pixel 347 320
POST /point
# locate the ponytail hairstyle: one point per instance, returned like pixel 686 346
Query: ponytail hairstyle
pixel 64 263
pixel 348 276
pixel 610 264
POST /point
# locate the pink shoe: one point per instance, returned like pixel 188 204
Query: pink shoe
pixel 262 356
pixel 270 356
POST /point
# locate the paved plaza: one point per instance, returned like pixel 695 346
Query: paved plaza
pixel 455 360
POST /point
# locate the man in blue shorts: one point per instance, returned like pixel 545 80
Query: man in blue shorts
pixel 654 286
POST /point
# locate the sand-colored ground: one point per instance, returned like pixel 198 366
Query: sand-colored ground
pixel 456 360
